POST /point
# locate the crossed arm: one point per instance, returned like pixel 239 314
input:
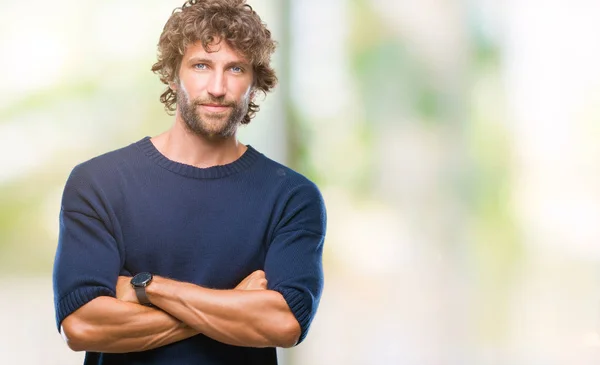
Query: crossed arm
pixel 107 324
pixel 248 315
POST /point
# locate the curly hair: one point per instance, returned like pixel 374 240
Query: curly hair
pixel 232 21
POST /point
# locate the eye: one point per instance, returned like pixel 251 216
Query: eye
pixel 237 69
pixel 200 66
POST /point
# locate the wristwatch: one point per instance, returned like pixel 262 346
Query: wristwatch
pixel 139 283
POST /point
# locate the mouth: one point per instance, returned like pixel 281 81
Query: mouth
pixel 215 108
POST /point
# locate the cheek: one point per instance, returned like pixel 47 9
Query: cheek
pixel 193 92
pixel 243 91
pixel 194 85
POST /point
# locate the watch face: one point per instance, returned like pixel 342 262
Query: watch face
pixel 141 279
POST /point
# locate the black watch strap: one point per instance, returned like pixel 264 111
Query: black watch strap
pixel 140 292
pixel 139 283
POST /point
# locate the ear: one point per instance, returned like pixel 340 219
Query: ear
pixel 173 85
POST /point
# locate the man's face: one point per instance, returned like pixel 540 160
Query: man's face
pixel 214 89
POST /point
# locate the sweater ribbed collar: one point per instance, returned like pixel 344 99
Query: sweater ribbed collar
pixel 214 172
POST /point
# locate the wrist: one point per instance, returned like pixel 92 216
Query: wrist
pixel 163 289
pixel 140 282
pixel 152 290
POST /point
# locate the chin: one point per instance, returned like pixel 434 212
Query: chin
pixel 218 133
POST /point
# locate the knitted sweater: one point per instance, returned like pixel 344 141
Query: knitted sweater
pixel 134 210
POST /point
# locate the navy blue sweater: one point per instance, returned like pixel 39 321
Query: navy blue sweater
pixel 134 210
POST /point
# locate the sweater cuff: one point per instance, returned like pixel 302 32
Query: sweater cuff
pixel 76 299
pixel 295 300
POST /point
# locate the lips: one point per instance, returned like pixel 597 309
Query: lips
pixel 215 108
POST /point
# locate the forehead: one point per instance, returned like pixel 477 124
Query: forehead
pixel 216 51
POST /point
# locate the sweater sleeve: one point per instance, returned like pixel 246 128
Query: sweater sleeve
pixel 293 264
pixel 87 259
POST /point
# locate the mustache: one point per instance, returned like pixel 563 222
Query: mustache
pixel 214 101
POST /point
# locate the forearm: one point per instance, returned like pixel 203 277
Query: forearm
pixel 252 318
pixel 109 325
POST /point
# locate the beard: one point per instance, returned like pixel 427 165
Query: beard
pixel 212 125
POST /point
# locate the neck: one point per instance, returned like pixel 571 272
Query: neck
pixel 181 145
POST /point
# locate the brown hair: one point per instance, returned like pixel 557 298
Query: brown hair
pixel 232 21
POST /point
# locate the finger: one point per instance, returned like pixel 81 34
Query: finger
pixel 246 283
pixel 254 275
pixel 258 274
pixel 258 284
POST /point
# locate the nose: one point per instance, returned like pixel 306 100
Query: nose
pixel 216 85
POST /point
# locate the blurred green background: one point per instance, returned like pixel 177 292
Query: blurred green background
pixel 456 143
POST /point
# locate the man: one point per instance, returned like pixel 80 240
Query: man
pixel 190 247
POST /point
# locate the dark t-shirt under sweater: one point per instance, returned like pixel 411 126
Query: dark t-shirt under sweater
pixel 134 210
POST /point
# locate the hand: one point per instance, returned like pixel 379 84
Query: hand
pixel 125 291
pixel 254 281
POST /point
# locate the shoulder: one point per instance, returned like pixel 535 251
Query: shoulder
pixel 287 179
pixel 98 176
pixel 109 167
pixel 297 196
pixel 106 164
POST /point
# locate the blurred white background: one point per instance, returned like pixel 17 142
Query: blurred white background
pixel 457 145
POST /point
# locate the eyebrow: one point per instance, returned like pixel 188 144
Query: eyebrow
pixel 196 60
